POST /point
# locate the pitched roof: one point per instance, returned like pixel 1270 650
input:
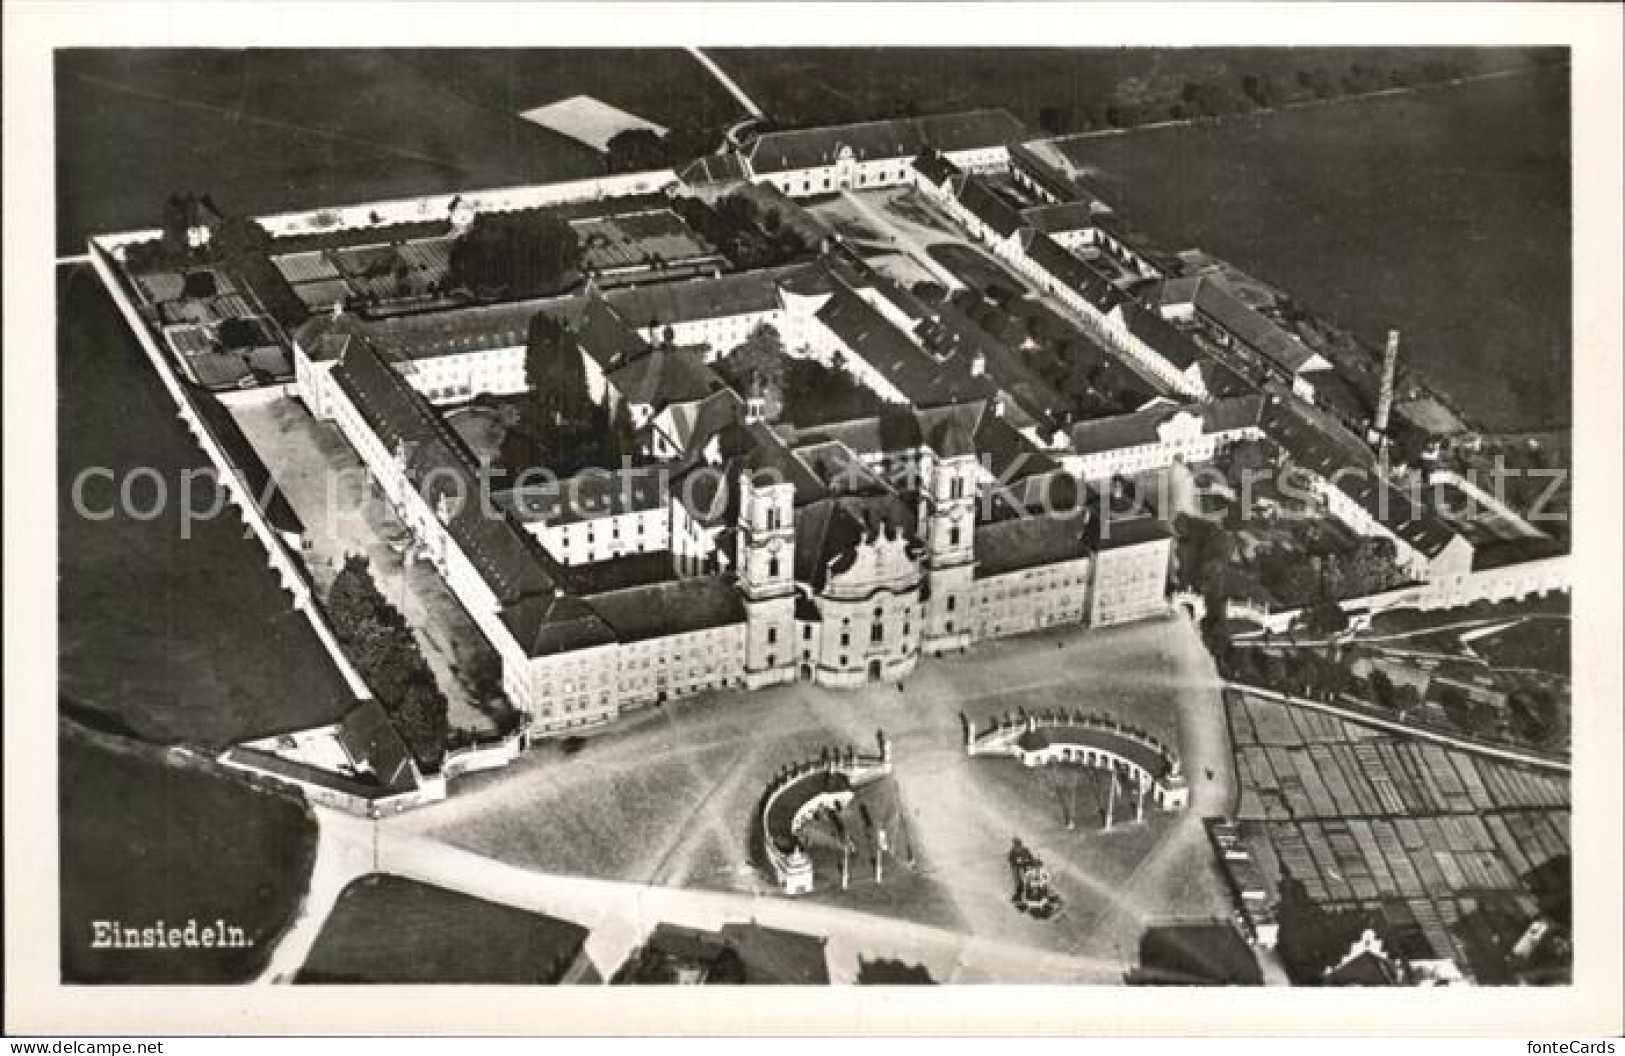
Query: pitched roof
pixel 898 138
pixel 1317 442
pixel 605 335
pixel 984 203
pixel 690 425
pixel 1250 327
pixel 666 375
pixel 936 168
pixel 1027 542
pixel 1162 337
pixel 705 297
pixel 774 956
pixel 1074 273
pixel 586 496
pixel 1042 172
pixel 924 379
pixel 679 606
pixel 1060 216
pixel 439 463
pixel 371 741
pixel 546 625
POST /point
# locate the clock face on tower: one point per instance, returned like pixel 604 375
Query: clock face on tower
pixel 775 545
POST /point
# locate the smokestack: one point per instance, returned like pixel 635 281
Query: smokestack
pixel 1385 395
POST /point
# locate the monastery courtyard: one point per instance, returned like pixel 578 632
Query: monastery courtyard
pixel 666 797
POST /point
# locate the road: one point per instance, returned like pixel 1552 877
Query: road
pixel 729 83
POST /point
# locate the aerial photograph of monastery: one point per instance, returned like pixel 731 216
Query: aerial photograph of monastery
pixel 814 516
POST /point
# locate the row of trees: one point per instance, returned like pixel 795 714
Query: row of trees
pixel 380 644
pixel 560 427
pixel 1230 92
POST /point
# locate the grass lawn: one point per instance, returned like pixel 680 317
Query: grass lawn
pixel 168 638
pixel 266 130
pixel 974 268
pixel 1400 621
pixel 1539 644
pixel 1352 205
pixel 387 929
pixel 145 839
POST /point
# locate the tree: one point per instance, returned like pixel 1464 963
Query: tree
pixel 532 253
pixel 1382 687
pixel 385 653
pixel 636 150
pixel 420 717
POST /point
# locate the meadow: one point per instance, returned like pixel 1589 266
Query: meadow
pixel 1443 212
pixel 168 638
pixel 268 130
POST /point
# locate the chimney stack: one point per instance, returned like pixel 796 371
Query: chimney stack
pixel 1385 394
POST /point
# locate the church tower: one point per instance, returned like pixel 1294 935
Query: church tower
pixel 948 496
pixel 766 560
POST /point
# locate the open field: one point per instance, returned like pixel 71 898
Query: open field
pixel 1352 206
pixel 667 797
pixel 386 929
pixel 267 130
pixel 1054 88
pixel 168 638
pixel 148 839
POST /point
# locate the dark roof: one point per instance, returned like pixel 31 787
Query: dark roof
pixel 606 336
pixel 1320 444
pixel 666 375
pixel 934 167
pixel 774 956
pixel 1253 329
pixel 587 496
pixel 767 956
pixel 1363 969
pixel 922 378
pixel 550 624
pixel 622 573
pixel 263 486
pixel 421 335
pixel 706 297
pixel 441 466
pixel 1060 216
pixel 1027 542
pixel 1161 336
pixel 899 138
pixel 1074 273
pixel 679 606
pixel 372 741
pixel 829 532
pixel 984 203
pixel 1196 954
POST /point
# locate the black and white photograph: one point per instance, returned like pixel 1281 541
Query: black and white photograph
pixel 856 512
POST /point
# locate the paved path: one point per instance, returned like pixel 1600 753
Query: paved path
pixel 729 83
pixel 344 852
pixel 906 239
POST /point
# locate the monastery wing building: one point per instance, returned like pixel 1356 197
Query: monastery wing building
pixel 748 553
